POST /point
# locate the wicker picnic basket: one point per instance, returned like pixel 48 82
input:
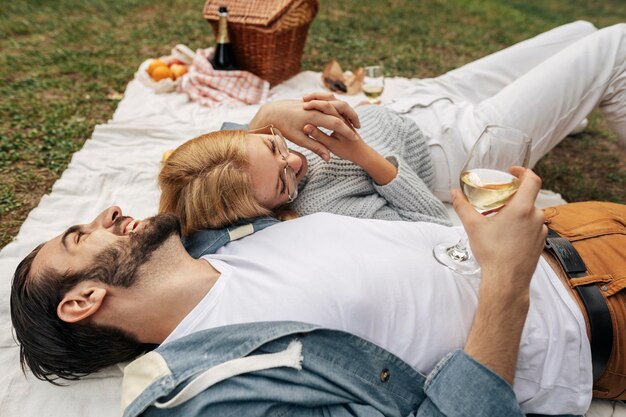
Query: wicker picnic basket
pixel 268 36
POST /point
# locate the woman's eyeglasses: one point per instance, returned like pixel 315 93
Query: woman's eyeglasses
pixel 282 150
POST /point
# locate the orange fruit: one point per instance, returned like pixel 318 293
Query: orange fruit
pixel 156 63
pixel 174 61
pixel 161 73
pixel 178 70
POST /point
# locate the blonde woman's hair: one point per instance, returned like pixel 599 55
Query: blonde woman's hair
pixel 205 181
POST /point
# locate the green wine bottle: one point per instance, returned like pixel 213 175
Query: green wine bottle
pixel 224 58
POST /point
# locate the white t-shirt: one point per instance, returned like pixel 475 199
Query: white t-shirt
pixel 378 280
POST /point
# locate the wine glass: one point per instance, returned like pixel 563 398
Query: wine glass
pixel 373 83
pixel 487 184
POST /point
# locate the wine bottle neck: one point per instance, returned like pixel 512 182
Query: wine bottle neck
pixel 222 30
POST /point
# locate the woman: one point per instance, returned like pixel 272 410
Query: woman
pixel 220 178
pixel 544 86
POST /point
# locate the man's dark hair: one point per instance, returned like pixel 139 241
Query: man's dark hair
pixel 52 348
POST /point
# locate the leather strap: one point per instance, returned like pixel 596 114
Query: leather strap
pixel 597 311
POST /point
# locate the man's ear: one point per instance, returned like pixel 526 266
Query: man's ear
pixel 82 301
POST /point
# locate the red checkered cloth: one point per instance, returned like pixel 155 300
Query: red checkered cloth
pixel 213 88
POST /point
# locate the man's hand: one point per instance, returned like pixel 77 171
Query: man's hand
pixel 511 240
pixel 507 247
pixel 321 110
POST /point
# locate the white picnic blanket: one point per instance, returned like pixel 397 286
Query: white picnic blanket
pixel 119 165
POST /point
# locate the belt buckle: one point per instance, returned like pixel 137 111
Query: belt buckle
pixel 568 256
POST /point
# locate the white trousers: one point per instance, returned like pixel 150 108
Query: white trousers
pixel 544 86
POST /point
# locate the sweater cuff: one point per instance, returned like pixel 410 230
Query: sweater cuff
pixel 400 181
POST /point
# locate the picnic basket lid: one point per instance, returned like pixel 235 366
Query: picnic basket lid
pixel 250 12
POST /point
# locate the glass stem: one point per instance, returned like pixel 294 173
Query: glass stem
pixel 459 251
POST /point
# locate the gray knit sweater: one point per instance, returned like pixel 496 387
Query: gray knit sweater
pixel 342 187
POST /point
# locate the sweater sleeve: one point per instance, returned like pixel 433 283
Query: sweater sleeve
pixel 342 187
pixel 409 195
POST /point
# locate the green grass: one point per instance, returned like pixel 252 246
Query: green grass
pixel 62 60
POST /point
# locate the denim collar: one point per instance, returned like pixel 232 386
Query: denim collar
pixel 208 241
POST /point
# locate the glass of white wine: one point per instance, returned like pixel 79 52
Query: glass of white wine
pixel 487 184
pixel 373 83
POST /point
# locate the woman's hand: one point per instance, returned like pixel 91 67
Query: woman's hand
pixel 329 104
pixel 290 117
pixel 350 147
pixel 378 167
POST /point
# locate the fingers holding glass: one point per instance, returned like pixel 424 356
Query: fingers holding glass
pixel 488 185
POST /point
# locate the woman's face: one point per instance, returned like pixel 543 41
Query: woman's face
pixel 271 185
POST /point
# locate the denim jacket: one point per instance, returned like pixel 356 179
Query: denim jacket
pixel 297 369
pixel 208 241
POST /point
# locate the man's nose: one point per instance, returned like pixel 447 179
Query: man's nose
pixel 107 218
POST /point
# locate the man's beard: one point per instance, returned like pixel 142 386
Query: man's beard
pixel 118 265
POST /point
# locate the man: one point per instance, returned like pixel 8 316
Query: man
pixel 103 292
